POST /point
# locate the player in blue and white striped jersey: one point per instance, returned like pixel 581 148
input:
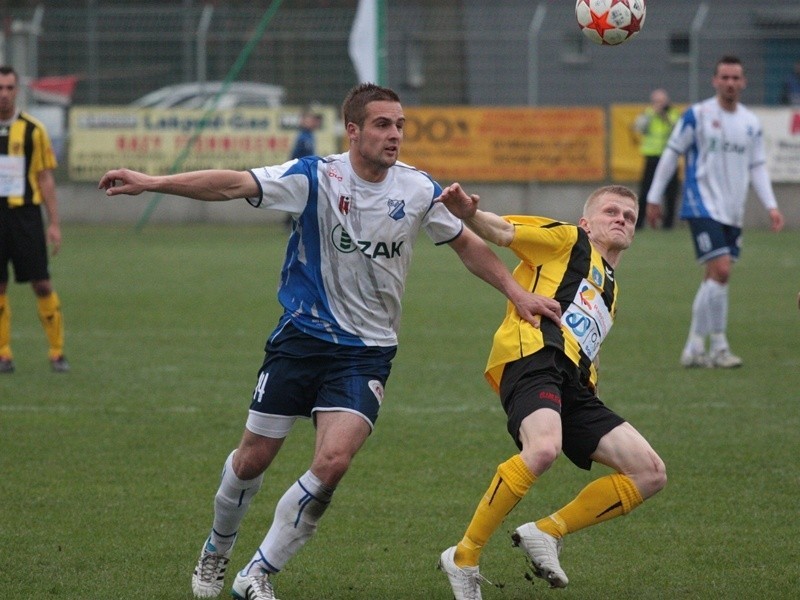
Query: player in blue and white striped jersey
pixel 356 217
pixel 724 150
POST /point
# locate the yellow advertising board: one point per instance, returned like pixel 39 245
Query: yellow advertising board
pixel 159 141
pixel 454 143
pixel 626 163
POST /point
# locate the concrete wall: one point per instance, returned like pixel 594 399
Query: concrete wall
pixel 84 203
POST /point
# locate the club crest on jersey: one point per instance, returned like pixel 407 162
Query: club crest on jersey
pixel 397 209
pixel 597 277
pixel 344 204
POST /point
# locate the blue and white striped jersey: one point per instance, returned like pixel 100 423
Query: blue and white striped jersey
pixel 349 253
pixel 721 149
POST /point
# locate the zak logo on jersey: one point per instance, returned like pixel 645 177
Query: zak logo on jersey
pixel 371 248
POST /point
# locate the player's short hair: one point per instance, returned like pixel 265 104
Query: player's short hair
pixel 618 190
pixel 728 59
pixel 354 107
pixel 8 70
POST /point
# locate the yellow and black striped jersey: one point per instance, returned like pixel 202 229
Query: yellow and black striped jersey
pixel 25 151
pixel 557 260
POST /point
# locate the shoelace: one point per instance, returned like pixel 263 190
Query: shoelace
pixel 473 581
pixel 262 586
pixel 211 565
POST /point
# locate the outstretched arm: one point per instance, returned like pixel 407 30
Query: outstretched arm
pixel 487 225
pixel 482 262
pixel 209 185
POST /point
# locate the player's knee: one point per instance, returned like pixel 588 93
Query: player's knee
pixel 541 456
pixel 719 270
pixel 42 287
pixel 249 463
pixel 331 466
pixel 653 478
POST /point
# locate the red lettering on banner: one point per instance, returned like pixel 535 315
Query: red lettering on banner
pixel 795 126
pixel 138 143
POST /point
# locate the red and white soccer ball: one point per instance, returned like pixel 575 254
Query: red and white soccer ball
pixel 610 22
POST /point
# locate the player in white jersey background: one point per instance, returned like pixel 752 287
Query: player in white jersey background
pixel 356 217
pixel 723 146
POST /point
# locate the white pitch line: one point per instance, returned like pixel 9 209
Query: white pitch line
pixel 20 408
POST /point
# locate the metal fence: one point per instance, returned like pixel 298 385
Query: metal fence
pixel 509 52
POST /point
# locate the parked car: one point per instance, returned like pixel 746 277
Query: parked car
pixel 202 94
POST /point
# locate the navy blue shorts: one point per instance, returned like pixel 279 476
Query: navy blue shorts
pixel 302 374
pixel 713 239
pixel 548 379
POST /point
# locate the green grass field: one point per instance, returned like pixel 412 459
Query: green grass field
pixel 108 473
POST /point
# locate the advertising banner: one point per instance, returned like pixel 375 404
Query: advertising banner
pixel 782 142
pixel 506 144
pixel 626 161
pixel 159 141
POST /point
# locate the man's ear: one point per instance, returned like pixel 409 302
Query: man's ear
pixel 352 131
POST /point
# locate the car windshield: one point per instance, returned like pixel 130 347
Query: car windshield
pixel 202 95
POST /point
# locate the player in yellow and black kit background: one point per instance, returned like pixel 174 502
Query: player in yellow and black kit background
pixel 26 182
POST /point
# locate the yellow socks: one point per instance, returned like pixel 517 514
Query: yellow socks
pixel 50 314
pixel 5 328
pixel 510 484
pixel 603 499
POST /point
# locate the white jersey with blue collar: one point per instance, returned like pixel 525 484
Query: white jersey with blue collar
pixel 721 149
pixel 348 257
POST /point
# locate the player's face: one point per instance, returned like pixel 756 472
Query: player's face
pixel 8 96
pixel 376 146
pixel 611 222
pixel 729 82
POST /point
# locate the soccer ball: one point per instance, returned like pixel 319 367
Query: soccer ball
pixel 610 22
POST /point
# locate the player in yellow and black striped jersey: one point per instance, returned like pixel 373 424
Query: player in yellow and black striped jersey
pixel 547 381
pixel 26 183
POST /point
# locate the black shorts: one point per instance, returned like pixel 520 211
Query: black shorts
pixel 23 244
pixel 548 379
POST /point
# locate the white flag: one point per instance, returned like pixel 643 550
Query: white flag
pixel 363 45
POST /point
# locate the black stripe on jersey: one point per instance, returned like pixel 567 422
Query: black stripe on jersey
pixel 578 267
pixel 575 269
pixel 609 287
pixel 29 129
pixel 4 151
pixel 578 263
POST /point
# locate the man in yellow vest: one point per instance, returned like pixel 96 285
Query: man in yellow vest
pixel 653 127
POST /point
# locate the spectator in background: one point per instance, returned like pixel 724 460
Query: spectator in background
pixel 791 87
pixel 26 183
pixel 653 127
pixel 305 144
